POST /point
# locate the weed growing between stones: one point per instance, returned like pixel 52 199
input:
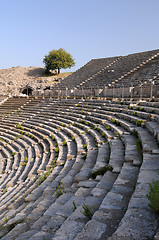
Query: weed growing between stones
pixel 13 154
pixel 21 132
pixel 44 175
pixel 138 145
pixel 113 120
pixel 84 156
pixel 6 219
pixel 53 137
pixel 19 126
pixel 13 225
pixel 135 133
pixel 4 191
pixel 103 134
pixel 85 146
pixel 57 149
pixel 30 136
pixel 73 138
pixel 107 127
pixel 74 206
pixel 153 196
pixel 139 122
pixel 18 137
pixel 116 134
pixel 59 190
pixel 101 171
pixel 25 162
pixel 86 211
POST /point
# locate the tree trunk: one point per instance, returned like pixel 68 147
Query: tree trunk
pixel 59 70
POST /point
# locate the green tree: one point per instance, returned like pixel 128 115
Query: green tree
pixel 57 59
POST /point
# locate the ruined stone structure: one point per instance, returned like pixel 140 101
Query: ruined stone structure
pixel 77 169
pixel 135 75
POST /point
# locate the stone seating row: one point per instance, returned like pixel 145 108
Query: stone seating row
pixel 124 68
pixel 56 216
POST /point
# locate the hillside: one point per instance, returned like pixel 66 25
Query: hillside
pixel 15 78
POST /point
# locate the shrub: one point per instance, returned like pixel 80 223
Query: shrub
pixel 153 195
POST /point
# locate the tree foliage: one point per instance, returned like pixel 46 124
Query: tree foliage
pixel 57 59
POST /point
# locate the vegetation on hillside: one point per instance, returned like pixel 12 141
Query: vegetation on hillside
pixel 57 59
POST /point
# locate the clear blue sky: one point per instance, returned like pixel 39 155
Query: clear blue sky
pixel 85 28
